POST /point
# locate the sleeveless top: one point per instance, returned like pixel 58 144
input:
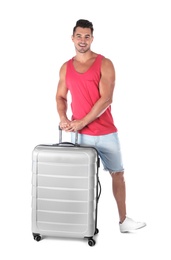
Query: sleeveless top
pixel 84 89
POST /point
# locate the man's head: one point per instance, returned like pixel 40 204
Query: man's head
pixel 82 35
pixel 83 24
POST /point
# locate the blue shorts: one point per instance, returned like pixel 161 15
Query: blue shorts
pixel 108 147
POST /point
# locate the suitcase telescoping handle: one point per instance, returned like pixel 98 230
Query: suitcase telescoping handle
pixel 67 143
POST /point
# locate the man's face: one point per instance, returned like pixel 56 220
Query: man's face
pixel 82 39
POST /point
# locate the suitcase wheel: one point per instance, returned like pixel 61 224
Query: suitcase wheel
pixel 37 237
pixel 96 231
pixel 91 242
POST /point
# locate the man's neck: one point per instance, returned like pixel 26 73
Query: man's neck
pixel 83 57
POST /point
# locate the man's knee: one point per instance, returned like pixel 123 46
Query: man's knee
pixel 117 176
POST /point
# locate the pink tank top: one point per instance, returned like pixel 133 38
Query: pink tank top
pixel 84 89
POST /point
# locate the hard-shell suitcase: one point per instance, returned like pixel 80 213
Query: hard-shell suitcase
pixel 65 191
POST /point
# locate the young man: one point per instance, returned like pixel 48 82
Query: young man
pixel 90 78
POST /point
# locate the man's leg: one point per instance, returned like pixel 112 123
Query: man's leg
pixel 119 192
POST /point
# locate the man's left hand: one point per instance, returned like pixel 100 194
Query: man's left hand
pixel 75 125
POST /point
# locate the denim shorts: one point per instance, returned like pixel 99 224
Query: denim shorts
pixel 108 147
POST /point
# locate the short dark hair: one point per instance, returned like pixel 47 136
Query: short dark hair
pixel 83 24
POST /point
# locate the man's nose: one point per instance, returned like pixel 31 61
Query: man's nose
pixel 83 39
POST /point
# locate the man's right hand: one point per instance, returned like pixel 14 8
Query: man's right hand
pixel 64 124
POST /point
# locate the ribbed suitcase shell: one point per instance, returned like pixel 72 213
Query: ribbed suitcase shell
pixel 64 191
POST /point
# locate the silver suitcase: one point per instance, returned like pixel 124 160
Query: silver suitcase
pixel 65 191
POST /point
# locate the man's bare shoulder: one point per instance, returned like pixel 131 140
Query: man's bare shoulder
pixel 63 67
pixel 107 65
pixel 62 70
pixel 107 62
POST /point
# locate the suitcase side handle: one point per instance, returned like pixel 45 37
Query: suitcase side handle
pixel 66 144
pixel 60 138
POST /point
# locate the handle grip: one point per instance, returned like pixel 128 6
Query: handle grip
pixel 60 137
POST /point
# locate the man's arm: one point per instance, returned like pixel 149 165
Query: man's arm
pixel 106 87
pixel 61 98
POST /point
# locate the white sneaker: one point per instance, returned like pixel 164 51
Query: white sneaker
pixel 130 225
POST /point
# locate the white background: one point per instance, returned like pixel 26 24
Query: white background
pixel 35 42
